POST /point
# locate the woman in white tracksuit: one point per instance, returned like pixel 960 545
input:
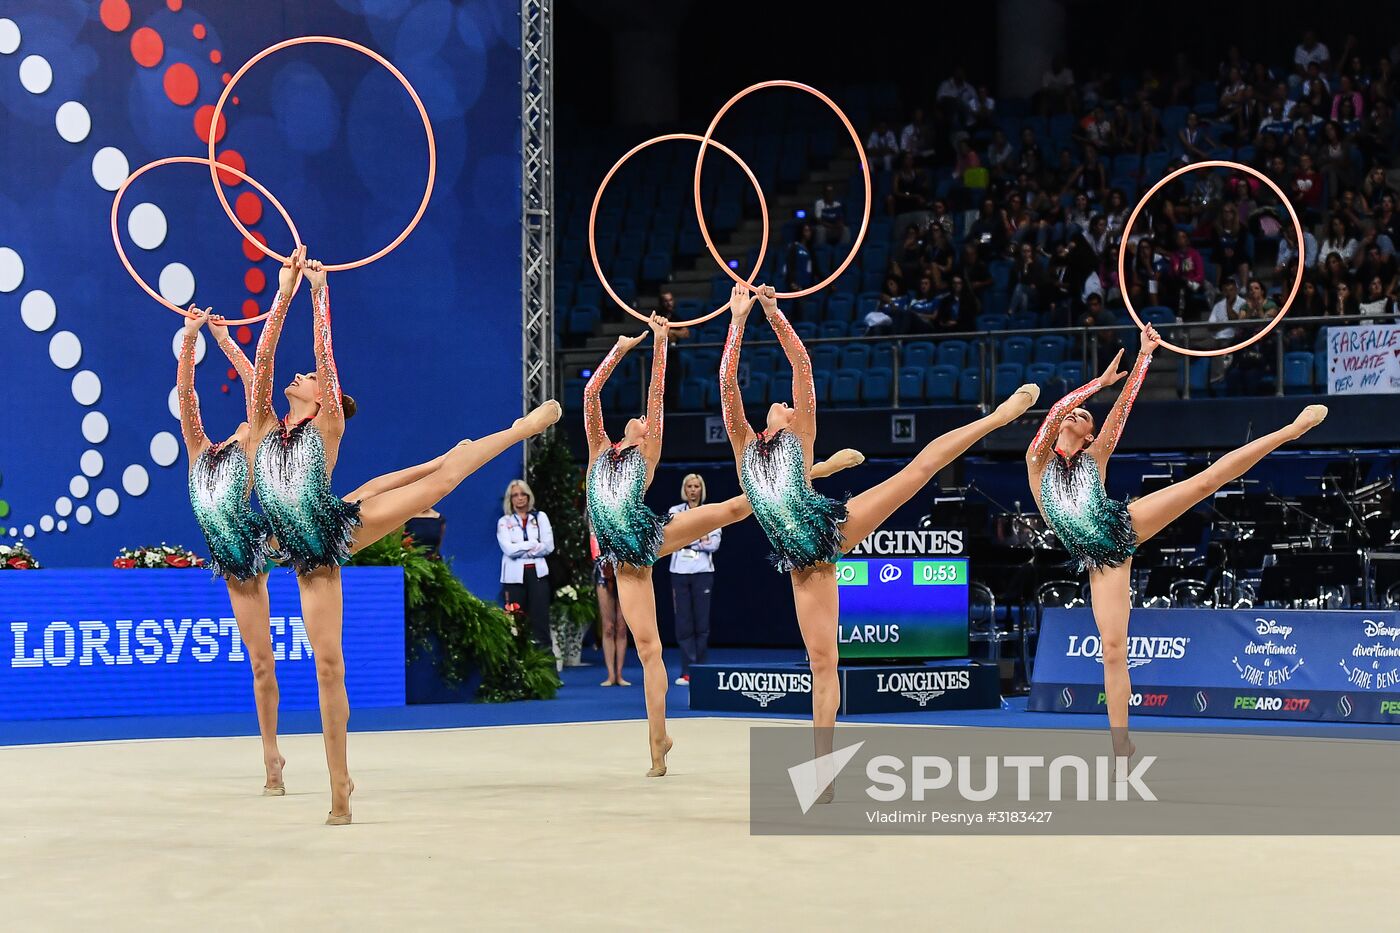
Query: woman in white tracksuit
pixel 692 578
pixel 526 538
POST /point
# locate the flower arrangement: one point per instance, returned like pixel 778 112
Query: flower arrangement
pixel 17 557
pixel 570 617
pixel 157 557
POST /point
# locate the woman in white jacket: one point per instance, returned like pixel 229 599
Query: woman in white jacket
pixel 692 578
pixel 526 538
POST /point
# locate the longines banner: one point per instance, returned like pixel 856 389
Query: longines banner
pixel 157 642
pixel 873 688
pixel 1259 664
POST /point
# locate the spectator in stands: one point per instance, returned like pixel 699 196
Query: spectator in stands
pixel 1234 61
pixel 1342 303
pixel 1145 274
pixel 1149 125
pixel 1349 122
pixel 1306 189
pixel 1275 123
pixel 1333 272
pixel 880 322
pixel 1056 93
pixel 1377 301
pixel 1089 177
pixel 1097 238
pixel 1030 160
pixel 941 256
pixel 1228 251
pixel 909 192
pixel 1315 84
pixel 1376 264
pixel 982 109
pixel 1374 187
pixel 1016 218
pixel 988 232
pixel 1232 95
pixel 1059 293
pixel 1124 131
pixel 941 218
pixel 916 139
pixel 1115 214
pixel 1386 223
pixel 1339 242
pixel 1346 91
pixel 1230 307
pixel 1334 157
pixel 1252 365
pixel 1193 139
pixel 1078 216
pixel 830 216
pixel 955 97
pixel 1001 157
pixel 919 315
pixel 881 146
pixel 1288 251
pixel 909 258
pixel 1308 52
pixel 959 308
pixel 1188 277
pixel 1095 130
pixel 973 270
pixel 1027 281
pixel 666 307
pixel 799 265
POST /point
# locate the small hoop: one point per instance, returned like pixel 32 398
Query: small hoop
pixel 865 171
pixel 422 112
pixel 1297 278
pixel 196 160
pixel 597 198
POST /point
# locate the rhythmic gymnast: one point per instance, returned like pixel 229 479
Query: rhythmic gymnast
pixel 220 490
pixel 319 531
pixel 1066 464
pixel 631 537
pixel 808 531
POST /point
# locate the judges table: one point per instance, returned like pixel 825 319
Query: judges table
pixel 1249 664
pixel 108 642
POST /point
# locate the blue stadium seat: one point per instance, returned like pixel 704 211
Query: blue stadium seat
pixel 1072 372
pixel 882 356
pixel 1158 315
pixel 1125 165
pixel 941 384
pixel 1008 378
pixel 831 329
pixel 1298 373
pixel 877 386
pixel 1198 371
pixel 845 388
pixel 1024 320
pixel 589 292
pixel 573 394
pixel 687 308
pixel 995 302
pixel 693 395
pixel 755 391
pixel 911 385
pixel 1320 369
pixel 855 356
pixel 952 353
pixel 1050 348
pixel 760 359
pixel 626 288
pixel 840 308
pixel 821 384
pixel 1001 274
pixel 825 357
pixel 970 386
pixel 916 353
pixel 1040 373
pixel 1016 350
pixel 780 387
pixel 631 244
pixel 805 330
pixel 583 320
pixel 656 267
pixel 867 302
pixel 992 322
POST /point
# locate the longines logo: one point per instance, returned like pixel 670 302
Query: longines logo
pixel 1272 661
pixel 922 697
pixel 932 683
pixel 922 543
pixel 1376 666
pixel 1143 649
pixel 763 687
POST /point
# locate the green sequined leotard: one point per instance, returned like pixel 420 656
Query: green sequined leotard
pixel 313 526
pixel 626 530
pixel 236 535
pixel 1096 530
pixel 802 524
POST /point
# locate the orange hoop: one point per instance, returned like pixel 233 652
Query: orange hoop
pixel 196 160
pixel 1297 278
pixel 422 112
pixel 865 171
pixel 593 214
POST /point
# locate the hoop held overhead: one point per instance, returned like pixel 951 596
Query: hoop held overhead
pixel 216 166
pixel 1297 278
pixel 597 198
pixel 422 112
pixel 865 172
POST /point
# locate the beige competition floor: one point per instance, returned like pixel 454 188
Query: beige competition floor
pixel 550 828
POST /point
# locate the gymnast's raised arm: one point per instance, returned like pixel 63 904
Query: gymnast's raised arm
pixel 804 392
pixel 332 413
pixel 191 426
pixel 1038 454
pixel 261 414
pixel 1102 447
pixel 731 400
pixel 593 395
pixel 656 391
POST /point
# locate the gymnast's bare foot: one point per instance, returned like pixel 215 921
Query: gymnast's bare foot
pixel 1308 419
pixel 273 786
pixel 340 804
pixel 658 760
pixel 539 419
pixel 845 459
pixel 1020 402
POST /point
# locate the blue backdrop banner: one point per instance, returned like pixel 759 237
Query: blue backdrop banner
pixel 90 456
pixel 158 642
pixel 1266 664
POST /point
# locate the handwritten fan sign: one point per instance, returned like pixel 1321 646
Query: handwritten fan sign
pixel 1362 360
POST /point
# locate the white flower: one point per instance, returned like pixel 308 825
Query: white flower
pixel 5 549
